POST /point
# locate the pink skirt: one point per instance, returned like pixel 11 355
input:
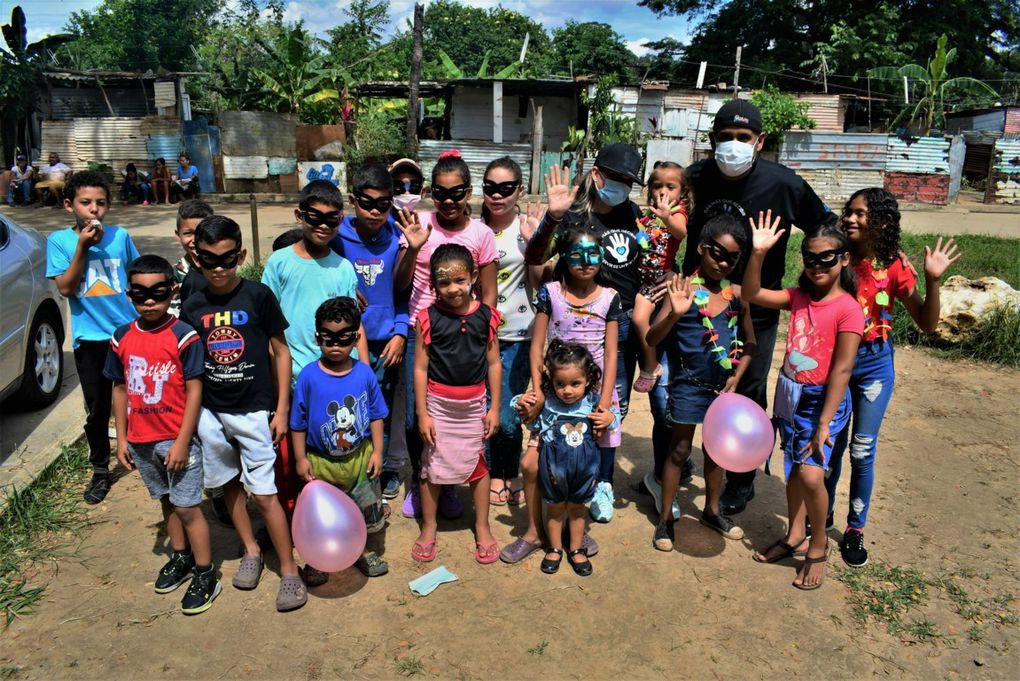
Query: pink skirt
pixel 460 439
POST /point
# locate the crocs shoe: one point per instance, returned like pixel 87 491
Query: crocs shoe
pixel 202 591
pixel 176 571
pixel 647 379
pixel 655 489
pixel 601 508
pixel 590 546
pixel 248 573
pixel 412 501
pixel 518 550
pixel 449 505
pixel 292 594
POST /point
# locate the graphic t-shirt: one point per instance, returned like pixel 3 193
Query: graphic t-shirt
pixel 476 237
pixel 301 285
pixel 811 336
pixel 513 301
pixel 768 186
pixel 99 305
pixel 154 364
pixel 336 411
pixel 375 263
pixel 235 329
pixel 878 291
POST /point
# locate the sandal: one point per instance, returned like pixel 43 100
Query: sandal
pixel 486 554
pixel 515 497
pixel 647 379
pixel 551 567
pixel 424 553
pixel 498 497
pixel 292 594
pixel 787 552
pixel 583 568
pixel 248 573
pixel 808 562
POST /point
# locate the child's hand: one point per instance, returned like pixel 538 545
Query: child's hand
pixel 558 194
pixel 601 419
pixel 177 458
pixel 374 465
pixel 661 205
pixel 656 293
pixel 304 469
pixel 905 261
pixel 533 215
pixel 414 233
pixel 393 353
pixel 362 300
pixel 816 445
pixel 491 423
pixel 278 426
pixel 530 405
pixel 91 234
pixel 427 429
pixel 124 456
pixel 764 233
pixel 730 386
pixel 938 261
pixel 680 295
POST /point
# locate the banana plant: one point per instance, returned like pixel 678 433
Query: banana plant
pixel 298 75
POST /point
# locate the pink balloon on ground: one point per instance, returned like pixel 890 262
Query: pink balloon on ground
pixel 328 527
pixel 737 433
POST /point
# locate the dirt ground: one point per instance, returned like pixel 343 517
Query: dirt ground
pixel 945 503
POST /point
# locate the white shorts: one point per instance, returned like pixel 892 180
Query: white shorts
pixel 238 444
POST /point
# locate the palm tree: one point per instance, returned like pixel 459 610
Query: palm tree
pixel 936 84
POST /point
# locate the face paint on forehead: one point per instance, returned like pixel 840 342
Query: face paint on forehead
pixel 451 271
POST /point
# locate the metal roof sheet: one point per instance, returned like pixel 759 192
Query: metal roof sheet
pixel 251 133
pixel 926 155
pixel 817 150
pixel 1007 152
pixel 477 155
pixel 245 167
pixel 58 136
pixel 109 138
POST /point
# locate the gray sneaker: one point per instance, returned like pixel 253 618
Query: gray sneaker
pixel 248 573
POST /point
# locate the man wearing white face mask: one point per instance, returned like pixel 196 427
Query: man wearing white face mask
pixel 736 181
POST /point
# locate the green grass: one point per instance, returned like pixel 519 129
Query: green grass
pixel 885 594
pixel 35 526
pixel 539 649
pixel 251 270
pixel 411 666
pixel 999 341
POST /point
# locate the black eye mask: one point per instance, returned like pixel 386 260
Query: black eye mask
pixel 381 204
pixel 720 254
pixel 159 293
pixel 456 193
pixel 408 187
pixel 341 338
pixel 490 188
pixel 825 259
pixel 317 218
pixel 210 261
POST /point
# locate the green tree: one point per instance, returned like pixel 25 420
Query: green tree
pixel 662 62
pixel 779 113
pixel 358 44
pixel 855 49
pixel 296 75
pixel 593 48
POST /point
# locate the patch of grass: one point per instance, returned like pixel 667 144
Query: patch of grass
pixel 35 526
pixel 922 630
pixel 411 666
pixel 539 649
pixel 251 271
pixel 884 593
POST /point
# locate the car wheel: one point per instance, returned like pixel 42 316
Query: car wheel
pixel 44 363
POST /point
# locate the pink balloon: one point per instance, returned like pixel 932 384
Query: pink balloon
pixel 737 433
pixel 329 529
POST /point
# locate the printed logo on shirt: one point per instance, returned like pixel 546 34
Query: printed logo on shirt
pixel 347 421
pixel 724 207
pixel 369 269
pixel 100 279
pixel 620 248
pixel 138 371
pixel 225 344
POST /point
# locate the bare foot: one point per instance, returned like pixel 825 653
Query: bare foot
pixel 812 573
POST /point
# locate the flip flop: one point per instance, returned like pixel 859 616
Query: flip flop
pixel 515 496
pixel 424 553
pixel 812 561
pixel 788 552
pixel 498 497
pixel 486 554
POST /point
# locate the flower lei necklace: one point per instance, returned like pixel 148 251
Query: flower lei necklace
pixel 701 299
pixel 883 324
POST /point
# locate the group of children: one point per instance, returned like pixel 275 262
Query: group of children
pixel 227 384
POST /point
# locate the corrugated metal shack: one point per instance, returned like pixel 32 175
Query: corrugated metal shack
pixel 1006 178
pixel 983 130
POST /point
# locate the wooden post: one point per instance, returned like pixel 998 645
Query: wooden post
pixel 990 187
pixel 825 76
pixel 497 111
pixel 254 229
pixel 412 89
pixel 537 142
pixel 736 74
pixel 105 98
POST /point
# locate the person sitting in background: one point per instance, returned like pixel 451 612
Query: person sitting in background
pixel 185 180
pixel 135 185
pixel 161 182
pixel 54 176
pixel 22 175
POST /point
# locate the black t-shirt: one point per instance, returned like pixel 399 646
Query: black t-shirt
pixel 768 185
pixel 621 253
pixel 193 281
pixel 235 331
pixel 457 343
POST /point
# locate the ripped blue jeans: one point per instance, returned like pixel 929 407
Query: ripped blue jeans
pixel 871 388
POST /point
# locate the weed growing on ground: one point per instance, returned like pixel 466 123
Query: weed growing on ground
pixel 539 649
pixel 411 666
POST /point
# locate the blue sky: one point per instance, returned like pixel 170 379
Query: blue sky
pixel 635 24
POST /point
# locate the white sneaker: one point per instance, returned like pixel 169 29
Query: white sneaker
pixel 601 508
pixel 654 488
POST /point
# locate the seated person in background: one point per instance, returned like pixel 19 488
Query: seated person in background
pixel 135 185
pixel 185 180
pixel 53 176
pixel 22 176
pixel 161 182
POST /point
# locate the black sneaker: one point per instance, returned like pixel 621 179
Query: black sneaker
pixel 202 591
pixel 98 488
pixel 175 572
pixel 852 548
pixel 722 525
pixel 390 485
pixel 313 577
pixel 734 498
pixel 664 535
pixel 219 505
pixel 829 524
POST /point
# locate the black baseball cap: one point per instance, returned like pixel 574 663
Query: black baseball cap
pixel 738 113
pixel 622 159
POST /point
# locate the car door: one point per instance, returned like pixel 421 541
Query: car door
pixel 15 301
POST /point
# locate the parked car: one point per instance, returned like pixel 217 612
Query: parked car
pixel 32 315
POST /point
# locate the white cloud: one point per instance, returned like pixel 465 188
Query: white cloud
pixel 637 46
pixel 293 11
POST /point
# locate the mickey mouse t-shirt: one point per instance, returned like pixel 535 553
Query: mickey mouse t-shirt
pixel 335 411
pixel 235 330
pixel 811 336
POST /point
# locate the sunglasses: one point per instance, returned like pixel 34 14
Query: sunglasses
pixel 159 293
pixel 825 259
pixel 381 204
pixel 720 254
pixel 408 187
pixel 211 261
pixel 316 218
pixel 490 188
pixel 584 255
pixel 332 338
pixel 456 193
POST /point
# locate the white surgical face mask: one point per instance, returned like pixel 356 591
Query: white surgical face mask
pixel 406 201
pixel 613 193
pixel 734 158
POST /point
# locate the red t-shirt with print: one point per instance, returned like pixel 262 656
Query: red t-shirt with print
pixel 811 336
pixel 878 291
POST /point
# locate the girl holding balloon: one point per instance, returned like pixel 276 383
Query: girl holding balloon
pixel 812 402
pixel 702 324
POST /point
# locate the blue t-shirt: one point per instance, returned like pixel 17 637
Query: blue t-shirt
pixel 100 304
pixel 375 263
pixel 301 285
pixel 191 172
pixel 336 411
